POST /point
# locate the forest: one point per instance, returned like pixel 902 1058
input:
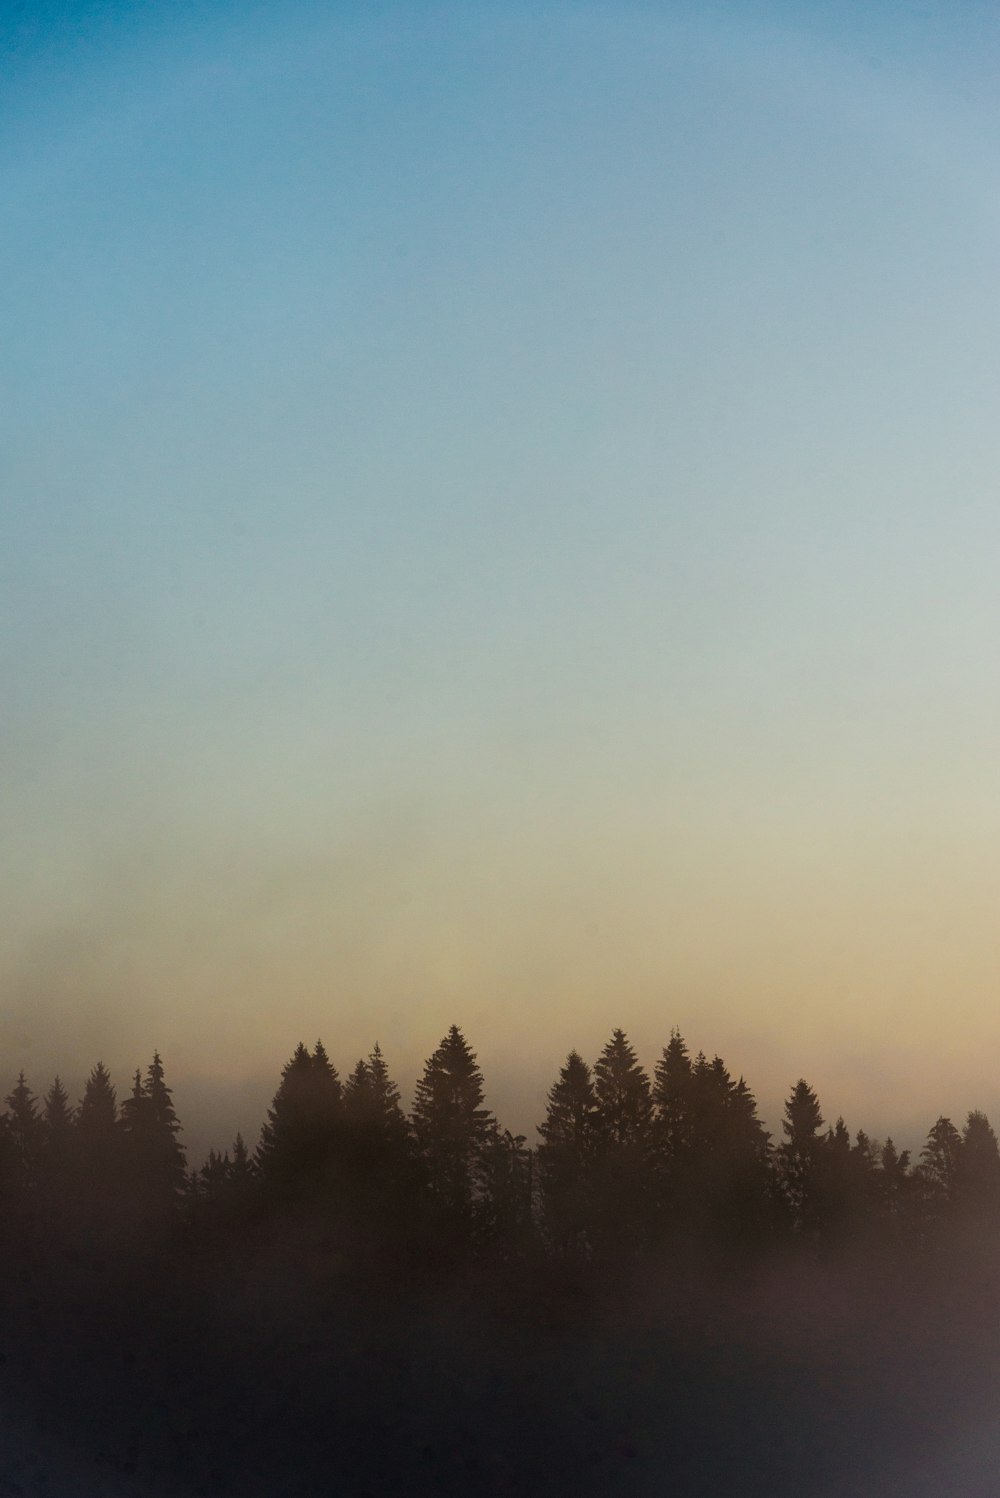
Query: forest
pixel 374 1302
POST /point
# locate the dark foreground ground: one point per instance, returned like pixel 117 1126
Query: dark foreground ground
pixel 278 1372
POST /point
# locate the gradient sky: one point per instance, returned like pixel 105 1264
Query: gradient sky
pixel 500 525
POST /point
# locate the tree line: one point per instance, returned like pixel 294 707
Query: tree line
pixel 625 1163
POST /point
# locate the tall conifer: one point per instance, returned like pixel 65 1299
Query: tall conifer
pixel 450 1124
pixel 567 1156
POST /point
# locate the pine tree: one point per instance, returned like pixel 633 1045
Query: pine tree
pixel 379 1153
pixel 623 1195
pixel 358 1094
pixel 451 1125
pixel 26 1130
pixel 242 1168
pixel 212 1180
pixel 503 1209
pixel 99 1150
pixel 978 1181
pixel 154 1157
pixel 838 1188
pixel 371 1101
pixel 567 1156
pixel 624 1103
pixel 169 1157
pixel 939 1171
pixel 325 1086
pixel 56 1154
pixel 802 1160
pixel 287 1124
pixel 893 1185
pixel 711 1090
pixel 301 1142
pixel 739 1205
pixel 673 1102
pixel 865 1189
pixel 57 1114
pixel 98 1112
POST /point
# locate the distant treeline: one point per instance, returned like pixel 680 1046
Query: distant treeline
pixel 625 1163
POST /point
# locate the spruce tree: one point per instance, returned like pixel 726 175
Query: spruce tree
pixel 939 1171
pixel 26 1129
pixel 711 1090
pixel 978 1182
pixel 57 1114
pixel 739 1204
pixel 624 1104
pixel 98 1111
pixel 802 1161
pixel 56 1153
pixel 286 1128
pixel 169 1156
pixel 242 1168
pixel 99 1149
pixel 894 1185
pixel 371 1103
pixel 379 1151
pixel 503 1209
pixel 451 1126
pixel 301 1142
pixel 673 1103
pixel 325 1086
pixel 623 1195
pixel 567 1156
pixel 154 1157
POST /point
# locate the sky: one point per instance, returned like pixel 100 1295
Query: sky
pixel 499 525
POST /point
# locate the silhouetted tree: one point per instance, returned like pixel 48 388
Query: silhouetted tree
pixel 325 1085
pixel 242 1168
pixel 99 1154
pixel 153 1155
pixel 57 1115
pixel 939 1171
pixel 801 1157
pixel 222 1190
pixel 894 1186
pixel 624 1104
pixel 451 1126
pixel 371 1103
pixel 623 1197
pixel 57 1156
pixel 98 1112
pixel 288 1120
pixel 380 1158
pixel 712 1154
pixel 978 1176
pixel 738 1194
pixel 503 1209
pixel 711 1090
pixel 26 1131
pixel 567 1156
pixel 300 1144
pixel 211 1182
pixel 673 1104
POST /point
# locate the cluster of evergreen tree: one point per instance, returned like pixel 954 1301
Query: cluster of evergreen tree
pixel 99 1163
pixel 626 1162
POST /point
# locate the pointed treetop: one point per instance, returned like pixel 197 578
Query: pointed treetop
pixel 623 1093
pixel 57 1112
pixel 98 1107
pixel 803 1118
pixel 23 1104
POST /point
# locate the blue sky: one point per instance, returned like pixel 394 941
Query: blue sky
pixel 499 523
